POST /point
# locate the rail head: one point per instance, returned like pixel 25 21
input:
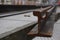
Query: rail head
pixel 50 9
pixel 43 9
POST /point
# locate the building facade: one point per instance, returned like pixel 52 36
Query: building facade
pixel 20 2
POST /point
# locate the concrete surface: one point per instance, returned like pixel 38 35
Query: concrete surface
pixel 22 17
pixel 9 25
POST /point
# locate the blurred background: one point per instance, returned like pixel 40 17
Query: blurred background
pixel 28 2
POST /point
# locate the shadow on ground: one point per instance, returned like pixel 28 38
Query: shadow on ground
pixel 20 35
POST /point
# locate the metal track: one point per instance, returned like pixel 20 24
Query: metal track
pixel 56 33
